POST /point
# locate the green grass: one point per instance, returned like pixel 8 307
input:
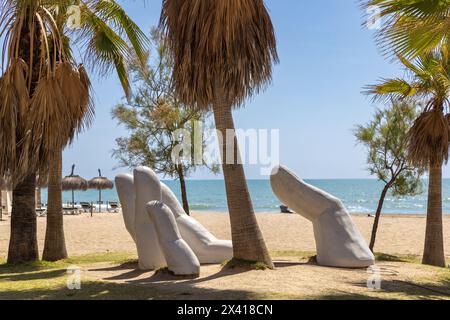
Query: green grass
pixel 113 257
pixel 47 280
pixel 381 257
pixel 244 264
pixel 397 258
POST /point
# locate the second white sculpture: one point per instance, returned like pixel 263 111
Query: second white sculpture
pixel 338 240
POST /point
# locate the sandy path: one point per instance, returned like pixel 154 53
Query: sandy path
pixel 106 233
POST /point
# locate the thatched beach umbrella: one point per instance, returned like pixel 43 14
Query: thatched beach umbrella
pixel 100 183
pixel 73 183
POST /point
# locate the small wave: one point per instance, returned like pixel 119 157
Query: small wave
pixel 358 209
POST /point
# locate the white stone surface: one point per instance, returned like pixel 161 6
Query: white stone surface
pixel 206 246
pixel 181 260
pixel 127 198
pixel 147 188
pixel 338 240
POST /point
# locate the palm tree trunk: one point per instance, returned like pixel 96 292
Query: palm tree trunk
pixel 183 189
pixel 23 246
pixel 55 244
pixel 377 217
pixel 433 253
pixel 248 241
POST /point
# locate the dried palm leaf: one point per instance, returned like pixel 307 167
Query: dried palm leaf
pixel 50 123
pixel 14 104
pixel 428 139
pixel 230 41
pixel 77 94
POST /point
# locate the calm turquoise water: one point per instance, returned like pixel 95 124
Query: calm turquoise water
pixel 360 196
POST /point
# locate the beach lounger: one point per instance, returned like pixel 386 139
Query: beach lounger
pixel 71 211
pixel 41 212
pixel 113 207
pixel 285 209
pixel 86 206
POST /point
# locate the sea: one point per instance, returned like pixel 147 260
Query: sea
pixel 359 196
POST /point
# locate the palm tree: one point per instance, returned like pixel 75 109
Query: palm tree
pixel 44 98
pixel 105 45
pixel 34 113
pixel 428 139
pixel 412 27
pixel 223 53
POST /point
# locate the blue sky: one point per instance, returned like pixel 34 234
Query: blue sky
pixel 326 55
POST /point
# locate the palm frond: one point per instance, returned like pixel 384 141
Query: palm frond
pixel 391 89
pixel 13 106
pixel 111 11
pixel 43 97
pixel 104 25
pixel 412 27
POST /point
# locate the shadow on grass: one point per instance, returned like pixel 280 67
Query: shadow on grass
pixel 117 258
pixel 97 290
pixel 89 290
pixel 164 277
pixel 25 267
pixel 130 269
pixel 33 276
pixel 383 257
pixel 131 272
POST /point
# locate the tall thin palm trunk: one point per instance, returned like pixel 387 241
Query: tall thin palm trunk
pixel 248 241
pixel 55 245
pixel 183 188
pixel 433 253
pixel 23 246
